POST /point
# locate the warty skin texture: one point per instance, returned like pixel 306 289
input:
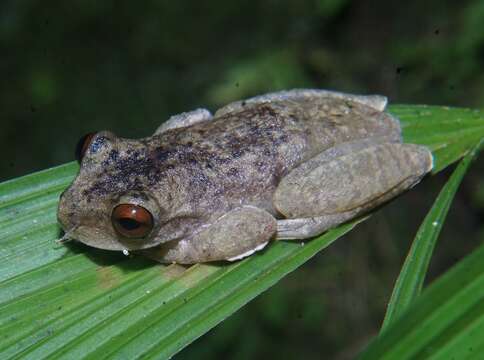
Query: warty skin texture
pixel 283 165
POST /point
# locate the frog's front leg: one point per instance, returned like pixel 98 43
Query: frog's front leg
pixel 184 119
pixel 232 236
pixel 343 182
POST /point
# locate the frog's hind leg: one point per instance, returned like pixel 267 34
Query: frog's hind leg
pixel 185 119
pixel 234 235
pixel 344 182
pixel 304 228
pixel 377 102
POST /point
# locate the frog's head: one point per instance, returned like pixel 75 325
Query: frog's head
pixel 118 200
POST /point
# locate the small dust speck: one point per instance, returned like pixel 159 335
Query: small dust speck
pixel 435 223
pixel 125 252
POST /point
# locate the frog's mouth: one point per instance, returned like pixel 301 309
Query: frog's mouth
pixel 95 232
pixel 67 236
pixel 88 235
pixel 97 238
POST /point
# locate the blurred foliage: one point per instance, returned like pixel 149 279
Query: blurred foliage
pixel 77 66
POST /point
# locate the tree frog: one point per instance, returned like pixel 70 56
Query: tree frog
pixel 203 187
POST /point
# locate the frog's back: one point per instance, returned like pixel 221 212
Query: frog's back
pixel 236 158
pixel 291 131
pixel 239 157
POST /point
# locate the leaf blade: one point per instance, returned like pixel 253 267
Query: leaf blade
pixel 412 275
pixel 75 304
pixel 433 324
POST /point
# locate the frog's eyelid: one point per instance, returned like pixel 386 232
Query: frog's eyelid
pixel 83 145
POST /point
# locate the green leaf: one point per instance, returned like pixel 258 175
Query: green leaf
pixel 445 322
pixel 410 281
pixel 66 301
pixel 448 132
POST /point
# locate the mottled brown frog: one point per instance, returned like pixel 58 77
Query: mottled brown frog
pixel 286 165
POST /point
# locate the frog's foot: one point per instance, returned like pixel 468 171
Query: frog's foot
pixel 184 119
pixel 344 182
pixel 234 235
pixel 377 102
pixel 303 228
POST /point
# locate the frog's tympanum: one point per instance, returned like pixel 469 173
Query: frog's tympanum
pixel 286 165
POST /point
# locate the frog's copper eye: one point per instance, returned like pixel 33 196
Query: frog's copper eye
pixel 132 221
pixel 83 145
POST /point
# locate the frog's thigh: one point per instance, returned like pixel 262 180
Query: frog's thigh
pixel 345 181
pixel 234 235
pixel 184 119
pixel 377 102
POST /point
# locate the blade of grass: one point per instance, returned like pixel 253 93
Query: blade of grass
pixel 411 278
pixel 445 322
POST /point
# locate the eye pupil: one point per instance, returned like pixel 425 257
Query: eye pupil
pixel 83 145
pixel 132 221
pixel 129 224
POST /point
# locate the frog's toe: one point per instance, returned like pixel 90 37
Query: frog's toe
pixel 248 252
pixel 304 228
pixel 184 119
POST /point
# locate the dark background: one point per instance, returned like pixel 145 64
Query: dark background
pixel 70 67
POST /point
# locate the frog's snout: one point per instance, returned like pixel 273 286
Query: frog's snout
pixel 65 215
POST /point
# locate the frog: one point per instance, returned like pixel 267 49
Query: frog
pixel 287 165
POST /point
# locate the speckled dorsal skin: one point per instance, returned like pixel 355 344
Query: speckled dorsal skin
pixel 221 187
